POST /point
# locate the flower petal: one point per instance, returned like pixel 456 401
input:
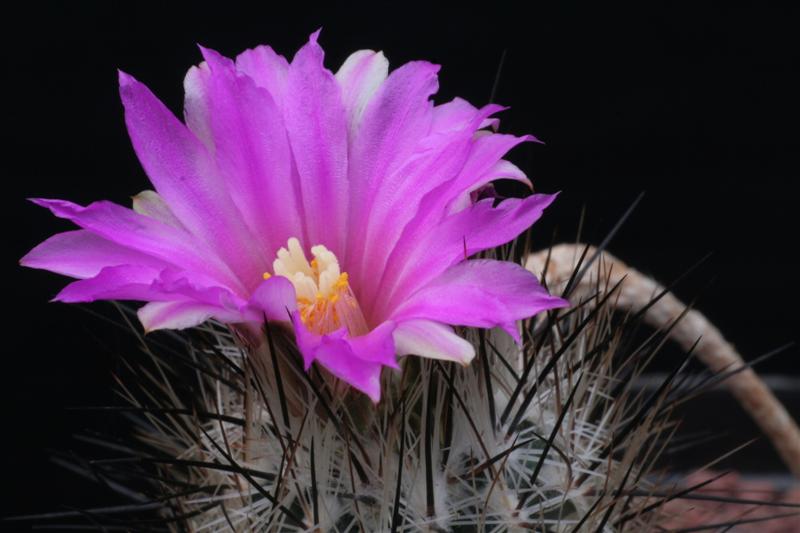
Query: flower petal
pixel 251 149
pixel 438 157
pixel 484 153
pixel 481 293
pixel 355 360
pixel 337 357
pixel 461 235
pixel 386 220
pixel 360 76
pixel 81 254
pixel 267 69
pixel 186 177
pixel 395 119
pixel 123 282
pixel 434 340
pixel 150 204
pixel 146 235
pixel 181 315
pixel 377 346
pixel 317 128
pixel 501 170
pixel 132 282
pixel 457 114
pixel 308 342
pixel 275 298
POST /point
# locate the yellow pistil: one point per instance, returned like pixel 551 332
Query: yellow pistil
pixel 324 297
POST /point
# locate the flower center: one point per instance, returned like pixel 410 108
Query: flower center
pixel 324 297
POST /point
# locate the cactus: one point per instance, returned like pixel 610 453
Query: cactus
pixel 548 436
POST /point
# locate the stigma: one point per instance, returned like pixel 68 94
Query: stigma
pixel 324 297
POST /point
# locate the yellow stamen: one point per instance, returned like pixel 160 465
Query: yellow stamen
pixel 266 275
pixel 324 297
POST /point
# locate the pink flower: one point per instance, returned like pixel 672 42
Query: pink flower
pixel 278 162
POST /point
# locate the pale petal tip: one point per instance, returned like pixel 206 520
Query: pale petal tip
pixel 560 303
pixel 373 392
pixel 67 296
pixel 204 50
pixel 212 57
pixel 125 79
pixel 29 260
pixel 41 202
pixel 466 360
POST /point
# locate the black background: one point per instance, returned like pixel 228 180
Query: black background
pixel 696 106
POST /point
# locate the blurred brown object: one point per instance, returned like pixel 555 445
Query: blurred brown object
pixel 557 265
pixel 682 513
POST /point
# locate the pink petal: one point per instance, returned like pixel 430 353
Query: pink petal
pixel 388 217
pixel 267 69
pixel 131 282
pixel 480 156
pixel 377 346
pixel 275 298
pixel 308 342
pixel 461 235
pixel 123 282
pixel 397 116
pixel 502 170
pixel 81 254
pixel 146 235
pixel 187 179
pixel 393 223
pixel 251 150
pixel 355 360
pixel 481 293
pixel 434 340
pixel 484 153
pixel 457 114
pixel 438 157
pixel 317 127
pixel 198 288
pixel 337 357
